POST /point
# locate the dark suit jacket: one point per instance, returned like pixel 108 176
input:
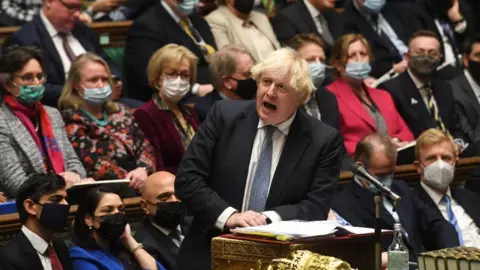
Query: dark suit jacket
pixel 204 104
pixel 159 245
pixel 160 130
pixel 34 33
pixel 295 19
pixel 19 254
pixel 151 31
pixel 328 106
pixel 426 229
pixel 466 198
pixel 385 54
pixel 214 170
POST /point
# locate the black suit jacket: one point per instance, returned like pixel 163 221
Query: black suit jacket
pixel 19 254
pixel 295 19
pixel 204 104
pixel 328 106
pixel 426 229
pixel 151 31
pixel 34 33
pixel 466 198
pixel 159 245
pixel 214 170
pixel 385 54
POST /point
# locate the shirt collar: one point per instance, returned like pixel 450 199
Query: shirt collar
pixel 435 195
pixel 170 11
pixel 311 9
pixel 48 25
pixel 37 242
pixel 415 80
pixel 223 96
pixel 473 83
pixel 362 11
pixel 284 127
pixel 164 230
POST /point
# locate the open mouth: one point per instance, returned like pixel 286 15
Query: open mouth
pixel 269 106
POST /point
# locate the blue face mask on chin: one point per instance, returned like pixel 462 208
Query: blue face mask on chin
pixel 374 6
pixel 317 70
pixel 186 7
pixel 358 70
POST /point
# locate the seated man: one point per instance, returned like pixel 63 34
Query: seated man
pixel 231 78
pixel 436 158
pixel 58 32
pixel 256 162
pixel 43 211
pixel 386 26
pixel 165 226
pixel 424 229
pixel 168 21
pixel 423 100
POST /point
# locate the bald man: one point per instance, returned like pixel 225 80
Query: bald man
pixel 163 230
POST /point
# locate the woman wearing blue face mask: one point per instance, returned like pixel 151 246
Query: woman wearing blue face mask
pixel 363 110
pixel 32 136
pixel 102 132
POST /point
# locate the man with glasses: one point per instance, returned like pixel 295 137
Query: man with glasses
pixel 422 98
pixel 62 37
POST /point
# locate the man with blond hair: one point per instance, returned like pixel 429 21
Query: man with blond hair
pixel 436 156
pixel 256 162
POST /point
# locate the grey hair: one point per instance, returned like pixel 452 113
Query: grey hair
pixel 372 143
pixel 224 63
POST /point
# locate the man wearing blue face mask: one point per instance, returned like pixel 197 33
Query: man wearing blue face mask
pixel 424 229
pixel 387 27
pixel 436 158
pixel 168 21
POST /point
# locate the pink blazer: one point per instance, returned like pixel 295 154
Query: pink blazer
pixel 355 120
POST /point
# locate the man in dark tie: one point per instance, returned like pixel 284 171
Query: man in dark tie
pixel 43 211
pixel 436 157
pixel 165 226
pixel 257 162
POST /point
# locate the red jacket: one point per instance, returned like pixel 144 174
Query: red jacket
pixel 355 120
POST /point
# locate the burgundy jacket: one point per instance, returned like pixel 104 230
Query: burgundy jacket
pixel 160 131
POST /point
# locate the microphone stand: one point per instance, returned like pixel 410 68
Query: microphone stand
pixel 378 232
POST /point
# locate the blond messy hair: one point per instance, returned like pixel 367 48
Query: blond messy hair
pixel 70 99
pixel 287 63
pixel 430 137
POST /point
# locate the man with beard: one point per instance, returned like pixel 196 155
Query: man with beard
pixel 162 232
pixel 424 100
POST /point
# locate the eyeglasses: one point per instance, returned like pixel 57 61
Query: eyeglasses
pixel 29 78
pixel 70 7
pixel 173 75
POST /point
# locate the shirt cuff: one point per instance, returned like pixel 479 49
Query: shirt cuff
pixel 273 216
pixel 222 219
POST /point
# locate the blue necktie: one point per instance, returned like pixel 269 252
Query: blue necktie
pixel 261 178
pixel 451 217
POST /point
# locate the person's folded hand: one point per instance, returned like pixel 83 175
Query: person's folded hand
pixel 246 219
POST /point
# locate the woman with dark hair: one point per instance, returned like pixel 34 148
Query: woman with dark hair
pixel 32 136
pixel 103 238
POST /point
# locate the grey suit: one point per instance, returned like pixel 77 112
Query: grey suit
pixel 20 155
pixel 467 106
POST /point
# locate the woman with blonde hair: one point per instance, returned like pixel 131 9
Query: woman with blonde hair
pixel 168 124
pixel 102 132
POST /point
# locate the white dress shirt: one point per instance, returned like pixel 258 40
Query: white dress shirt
pixel 470 231
pixel 75 45
pixel 473 84
pixel 279 138
pixel 40 246
pixel 167 232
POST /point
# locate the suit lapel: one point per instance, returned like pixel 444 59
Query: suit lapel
pixel 412 93
pixel 304 14
pixel 367 200
pixel 50 48
pixel 30 257
pixel 295 144
pixel 163 244
pixel 468 90
pixel 364 27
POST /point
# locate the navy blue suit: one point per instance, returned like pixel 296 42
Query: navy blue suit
pixel 205 103
pixel 34 33
pixel 426 229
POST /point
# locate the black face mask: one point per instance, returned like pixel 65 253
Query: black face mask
pixel 169 214
pixel 423 65
pixel 54 216
pixel 243 6
pixel 112 226
pixel 474 69
pixel 246 89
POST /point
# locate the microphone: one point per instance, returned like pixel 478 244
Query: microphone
pixel 360 170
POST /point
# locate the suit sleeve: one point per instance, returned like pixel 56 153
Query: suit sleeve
pixel 283 28
pixel 403 133
pixel 316 204
pixel 192 180
pixel 219 30
pixel 145 123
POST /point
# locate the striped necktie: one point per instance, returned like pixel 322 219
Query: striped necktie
pixel 451 217
pixel 432 107
pixel 195 36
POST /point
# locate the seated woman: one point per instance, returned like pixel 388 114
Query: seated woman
pixel 363 110
pixel 103 238
pixel 32 136
pixel 234 22
pixel 102 132
pixel 168 124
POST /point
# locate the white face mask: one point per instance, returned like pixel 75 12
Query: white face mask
pixel 175 89
pixel 439 174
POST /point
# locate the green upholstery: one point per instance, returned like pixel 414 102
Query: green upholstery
pixel 116 55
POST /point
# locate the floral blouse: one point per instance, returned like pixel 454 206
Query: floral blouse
pixel 109 150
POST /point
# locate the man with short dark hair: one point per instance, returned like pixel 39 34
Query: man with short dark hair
pixel 43 211
pixel 423 229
